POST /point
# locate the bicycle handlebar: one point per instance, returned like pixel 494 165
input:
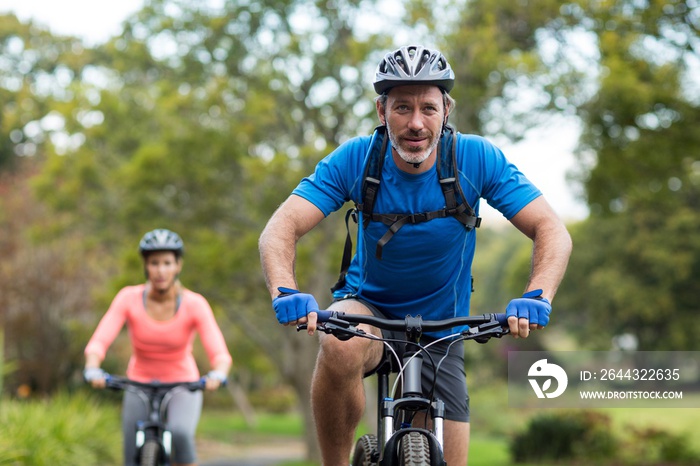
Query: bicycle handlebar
pixel 120 383
pixel 428 325
pixel 482 327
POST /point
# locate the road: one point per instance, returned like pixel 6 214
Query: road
pixel 272 454
pixel 242 462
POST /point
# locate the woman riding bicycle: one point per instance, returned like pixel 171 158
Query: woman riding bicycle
pixel 162 317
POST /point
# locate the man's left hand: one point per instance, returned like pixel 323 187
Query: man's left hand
pixel 529 312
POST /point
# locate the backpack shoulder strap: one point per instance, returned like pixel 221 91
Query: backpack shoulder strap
pixel 455 202
pixel 373 173
pixel 374 162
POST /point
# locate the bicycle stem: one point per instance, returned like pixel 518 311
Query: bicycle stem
pixel 412 375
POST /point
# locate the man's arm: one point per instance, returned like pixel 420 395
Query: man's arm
pixel 277 243
pixel 550 254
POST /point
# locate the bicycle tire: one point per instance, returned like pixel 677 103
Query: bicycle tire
pixel 150 453
pixel 366 452
pixel 414 450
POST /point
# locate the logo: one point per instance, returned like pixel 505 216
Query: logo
pixel 547 371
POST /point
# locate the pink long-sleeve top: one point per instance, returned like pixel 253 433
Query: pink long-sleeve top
pixel 162 350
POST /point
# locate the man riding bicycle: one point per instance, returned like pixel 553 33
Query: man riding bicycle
pixel 415 243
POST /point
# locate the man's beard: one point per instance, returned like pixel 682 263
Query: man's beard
pixel 413 155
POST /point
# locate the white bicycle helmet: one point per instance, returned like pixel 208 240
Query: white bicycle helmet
pixel 413 64
pixel 161 240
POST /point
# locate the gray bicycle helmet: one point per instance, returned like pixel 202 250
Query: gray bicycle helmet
pixel 161 240
pixel 413 64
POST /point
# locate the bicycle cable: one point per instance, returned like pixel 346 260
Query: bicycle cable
pixel 421 349
pixel 437 368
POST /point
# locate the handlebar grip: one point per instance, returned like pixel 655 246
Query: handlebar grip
pixel 324 316
pixel 502 319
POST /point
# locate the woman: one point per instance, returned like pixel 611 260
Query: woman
pixel 162 317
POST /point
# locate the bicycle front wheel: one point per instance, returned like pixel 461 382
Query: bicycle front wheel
pixel 366 453
pixel 414 450
pixel 150 453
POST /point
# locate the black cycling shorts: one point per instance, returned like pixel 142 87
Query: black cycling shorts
pixel 452 379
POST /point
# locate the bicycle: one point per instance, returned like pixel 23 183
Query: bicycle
pixel 153 440
pixel 397 442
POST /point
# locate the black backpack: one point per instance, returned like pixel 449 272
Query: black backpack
pixel 455 202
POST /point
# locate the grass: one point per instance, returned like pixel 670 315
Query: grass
pixel 493 425
pixel 231 427
pixel 65 430
pixel 488 451
pixel 82 430
pixel 677 420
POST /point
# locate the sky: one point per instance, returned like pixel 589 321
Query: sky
pixel 93 20
pixel 545 156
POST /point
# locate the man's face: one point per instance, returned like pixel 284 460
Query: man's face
pixel 414 116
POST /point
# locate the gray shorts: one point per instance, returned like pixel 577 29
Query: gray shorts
pixel 452 379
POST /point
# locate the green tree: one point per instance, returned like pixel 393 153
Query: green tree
pixel 202 120
pixel 34 76
pixel 503 78
pixel 636 257
pixel 38 296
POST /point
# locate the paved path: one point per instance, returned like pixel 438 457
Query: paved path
pixel 242 462
pixel 273 454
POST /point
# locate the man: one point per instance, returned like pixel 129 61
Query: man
pixel 423 265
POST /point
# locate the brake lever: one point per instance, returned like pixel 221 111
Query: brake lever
pixel 341 329
pixel 484 332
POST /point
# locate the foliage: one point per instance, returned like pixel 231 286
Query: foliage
pixel 650 446
pixel 39 295
pixel 274 399
pixel 36 71
pixel 627 70
pixel 581 436
pixel 640 280
pixel 66 430
pixel 494 48
pixel 498 256
pixel 202 120
pixel 644 186
pixel 566 436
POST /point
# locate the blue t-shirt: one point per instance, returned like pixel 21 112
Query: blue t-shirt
pixel 426 267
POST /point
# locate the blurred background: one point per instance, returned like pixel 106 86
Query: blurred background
pixel 201 116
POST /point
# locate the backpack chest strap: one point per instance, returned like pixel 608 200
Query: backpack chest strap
pixel 396 221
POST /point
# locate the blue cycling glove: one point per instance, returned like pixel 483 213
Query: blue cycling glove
pixel 291 305
pixel 532 306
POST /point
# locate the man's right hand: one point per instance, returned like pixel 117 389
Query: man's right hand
pixel 291 305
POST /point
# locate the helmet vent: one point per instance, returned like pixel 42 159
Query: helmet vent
pixel 425 57
pixel 413 64
pixel 402 63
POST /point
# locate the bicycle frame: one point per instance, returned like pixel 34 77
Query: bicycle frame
pixel 153 441
pixel 394 422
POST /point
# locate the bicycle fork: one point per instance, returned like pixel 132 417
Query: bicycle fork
pixel 154 429
pixel 412 400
